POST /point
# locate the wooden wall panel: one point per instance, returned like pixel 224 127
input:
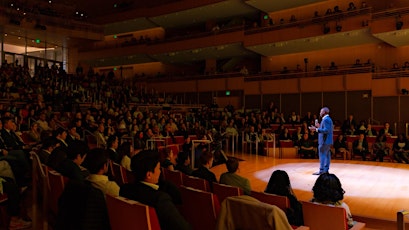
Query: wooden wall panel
pixel 311 102
pixel 384 87
pixel 212 85
pixel 235 83
pixel 290 102
pixel 313 84
pixel 252 87
pixel 335 101
pixel 252 101
pixel 385 109
pixel 359 105
pixel 333 83
pixel 267 98
pixel 361 81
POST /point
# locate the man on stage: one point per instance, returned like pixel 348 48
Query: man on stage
pixel 325 130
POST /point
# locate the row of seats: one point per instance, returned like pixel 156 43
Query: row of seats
pixel 195 193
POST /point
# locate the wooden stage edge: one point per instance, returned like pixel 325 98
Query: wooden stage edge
pixel 374 191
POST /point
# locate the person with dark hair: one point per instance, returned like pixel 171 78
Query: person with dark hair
pixel 112 145
pixel 100 136
pixel 183 163
pixel 169 162
pixel 47 147
pixel 97 164
pixel 328 190
pixel 126 152
pixel 146 169
pixel 72 134
pixel 206 161
pixel 233 179
pixel 401 149
pixel 360 146
pixel 279 184
pixel 8 135
pixel 379 148
pixel 71 166
pixel 61 135
pixel 325 140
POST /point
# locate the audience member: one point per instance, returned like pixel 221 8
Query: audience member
pixel 360 147
pixel 146 168
pixel 112 145
pixel 48 145
pixel 233 179
pixel 183 163
pixel 126 152
pixel 341 146
pixel 279 184
pixel 306 149
pixel 169 162
pixel 386 130
pixel 379 148
pixel 206 161
pixel 328 190
pixel 97 164
pixel 71 166
pixel 401 149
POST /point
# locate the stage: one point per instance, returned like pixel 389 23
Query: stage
pixel 372 189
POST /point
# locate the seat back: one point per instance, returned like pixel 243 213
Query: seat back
pixel 244 212
pixel 223 191
pixel 173 176
pixel 200 208
pixel 324 217
pixel 129 214
pixel 196 183
pixel 91 141
pixel 56 182
pixel 287 149
pixel 119 173
pixel 280 201
pixel 40 185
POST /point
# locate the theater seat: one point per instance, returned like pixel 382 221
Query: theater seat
pixel 324 217
pixel 280 201
pixel 223 191
pixel 128 214
pixel 200 208
pixel 196 183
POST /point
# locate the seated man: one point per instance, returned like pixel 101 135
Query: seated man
pixel 253 139
pixel 146 168
pixel 97 164
pixel 233 179
pixel 206 161
pixel 360 146
pixel 71 166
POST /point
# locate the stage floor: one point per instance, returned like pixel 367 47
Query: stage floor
pixel 372 189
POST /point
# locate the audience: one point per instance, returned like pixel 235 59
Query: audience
pixel 126 152
pixel 279 184
pixel 328 190
pixel 233 179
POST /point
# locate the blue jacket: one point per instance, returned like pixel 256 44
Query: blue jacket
pixel 325 131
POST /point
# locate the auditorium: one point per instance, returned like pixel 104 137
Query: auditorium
pixel 184 114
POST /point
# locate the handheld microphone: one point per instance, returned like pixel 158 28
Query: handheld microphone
pixel 316 122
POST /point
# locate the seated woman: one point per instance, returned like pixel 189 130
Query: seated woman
pixel 126 152
pixel 360 147
pixel 279 184
pixel 169 162
pixel 34 133
pixel 328 190
pixel 341 146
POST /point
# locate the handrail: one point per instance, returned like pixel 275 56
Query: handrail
pixel 390 13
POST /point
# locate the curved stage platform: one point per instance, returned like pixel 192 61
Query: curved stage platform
pixel 373 190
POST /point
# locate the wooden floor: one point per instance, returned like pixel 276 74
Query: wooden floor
pixel 373 190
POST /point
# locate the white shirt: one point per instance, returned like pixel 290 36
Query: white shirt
pixel 102 183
